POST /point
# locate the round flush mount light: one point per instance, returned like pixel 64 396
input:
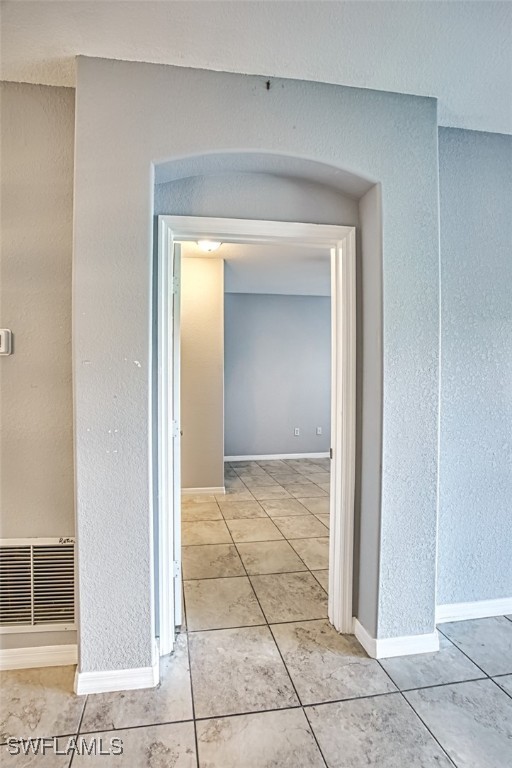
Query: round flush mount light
pixel 209 245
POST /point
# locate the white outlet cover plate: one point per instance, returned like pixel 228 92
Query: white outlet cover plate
pixel 5 341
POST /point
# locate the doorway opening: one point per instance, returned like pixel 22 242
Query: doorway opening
pixel 242 474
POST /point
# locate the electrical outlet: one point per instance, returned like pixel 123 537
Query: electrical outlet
pixel 296 431
pixel 319 430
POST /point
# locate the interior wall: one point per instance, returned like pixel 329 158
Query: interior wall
pixel 256 195
pixel 379 136
pixel 475 488
pixel 277 373
pixel 202 373
pixel 36 427
pixel 369 417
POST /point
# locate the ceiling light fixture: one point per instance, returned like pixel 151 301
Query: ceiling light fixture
pixel 209 245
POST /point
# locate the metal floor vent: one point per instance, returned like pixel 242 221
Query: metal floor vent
pixel 37 584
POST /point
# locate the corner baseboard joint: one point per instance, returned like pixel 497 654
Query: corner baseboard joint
pixel 388 647
pixel 117 679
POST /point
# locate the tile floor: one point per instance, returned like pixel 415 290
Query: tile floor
pixel 259 679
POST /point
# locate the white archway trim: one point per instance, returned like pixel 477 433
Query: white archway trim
pixel 341 242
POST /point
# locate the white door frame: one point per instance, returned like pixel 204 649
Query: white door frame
pixel 341 242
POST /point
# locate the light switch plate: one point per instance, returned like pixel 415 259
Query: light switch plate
pixel 5 341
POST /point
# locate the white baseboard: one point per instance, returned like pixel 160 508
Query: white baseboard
pixel 278 456
pixel 39 656
pixel 388 647
pixel 479 609
pixel 117 679
pixel 213 491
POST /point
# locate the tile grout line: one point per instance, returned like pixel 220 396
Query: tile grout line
pixel 428 729
pixel 308 570
pixel 273 636
pixel 187 633
pixel 285 538
pixel 279 650
pixel 279 709
pixel 242 576
pixel 296 691
pixel 416 713
pixel 247 575
pixel 463 652
pixel 495 681
pixel 273 709
pixel 252 586
pixel 142 725
pixel 270 630
pixel 314 736
pixel 192 691
pixel 79 728
pixel 264 624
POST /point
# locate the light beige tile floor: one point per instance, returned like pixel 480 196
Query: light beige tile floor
pixel 314 552
pixel 300 527
pixel 259 678
pixel 221 603
pixel 258 529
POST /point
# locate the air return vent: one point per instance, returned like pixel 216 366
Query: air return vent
pixel 37 584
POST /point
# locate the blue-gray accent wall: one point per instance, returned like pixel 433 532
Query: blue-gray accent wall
pixel 475 478
pixel 277 373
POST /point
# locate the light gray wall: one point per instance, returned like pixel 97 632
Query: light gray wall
pixel 369 418
pixel 36 486
pixel 475 514
pixel 279 198
pixel 202 373
pixel 381 136
pixel 277 373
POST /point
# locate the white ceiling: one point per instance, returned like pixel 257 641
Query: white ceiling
pixel 281 269
pixel 460 52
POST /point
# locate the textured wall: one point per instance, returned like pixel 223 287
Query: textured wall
pixel 202 373
pixel 123 126
pixel 36 485
pixel 277 198
pixel 277 373
pixel 450 50
pixel 369 418
pixel 475 518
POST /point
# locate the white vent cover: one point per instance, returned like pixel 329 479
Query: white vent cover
pixel 37 584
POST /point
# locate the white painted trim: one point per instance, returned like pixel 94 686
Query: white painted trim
pixel 214 490
pixel 166 480
pixel 343 431
pixel 341 241
pixel 479 609
pixel 254 230
pixel 388 647
pixel 38 656
pixel 116 680
pixel 175 396
pixel 119 679
pixel 26 629
pixel 278 456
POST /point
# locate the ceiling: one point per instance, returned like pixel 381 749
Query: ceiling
pixel 459 52
pixel 281 269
